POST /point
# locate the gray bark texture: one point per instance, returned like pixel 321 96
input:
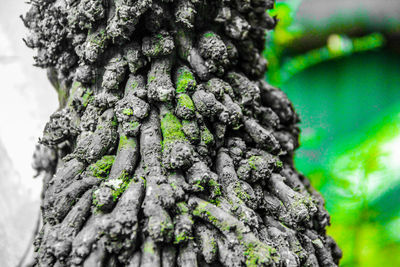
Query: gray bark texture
pixel 169 148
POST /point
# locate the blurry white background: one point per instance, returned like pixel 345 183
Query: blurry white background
pixel 26 102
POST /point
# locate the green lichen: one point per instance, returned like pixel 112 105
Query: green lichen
pixel 171 129
pixel 184 100
pixel 151 78
pixel 185 81
pixel 101 169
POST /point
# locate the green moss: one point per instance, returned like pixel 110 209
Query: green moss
pixel 99 38
pixel 151 78
pixel 182 207
pixel 209 34
pixel 144 181
pixel 199 186
pixel 241 193
pixel 128 111
pixel 101 169
pixel 201 208
pixel 121 185
pixel 182 237
pixel 258 254
pixel 173 185
pixel 213 245
pixel 254 161
pixel 279 164
pixel 87 97
pixel 166 228
pixel 62 94
pixel 134 85
pixel 185 101
pixel 159 45
pixel 232 76
pixel 216 187
pixel 201 211
pixel 148 248
pixel 157 49
pixel 185 81
pixel 207 137
pixel 212 219
pixel 171 129
pixel 126 142
pixel 318 243
pixel 301 200
pixel 184 52
pixel 96 202
pixel 114 122
pixel 134 125
pixel 215 201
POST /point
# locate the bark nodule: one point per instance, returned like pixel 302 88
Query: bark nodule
pixel 169 148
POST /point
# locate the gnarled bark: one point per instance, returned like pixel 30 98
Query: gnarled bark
pixel 171 148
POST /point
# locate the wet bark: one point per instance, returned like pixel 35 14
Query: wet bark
pixel 169 148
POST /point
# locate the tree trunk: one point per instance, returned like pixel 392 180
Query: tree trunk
pixel 169 148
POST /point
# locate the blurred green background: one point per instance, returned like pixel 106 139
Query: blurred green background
pixel 339 63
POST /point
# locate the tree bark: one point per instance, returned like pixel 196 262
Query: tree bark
pixel 169 148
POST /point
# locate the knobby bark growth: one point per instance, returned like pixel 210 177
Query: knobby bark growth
pixel 169 148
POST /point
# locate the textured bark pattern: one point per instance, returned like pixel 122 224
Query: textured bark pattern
pixel 169 148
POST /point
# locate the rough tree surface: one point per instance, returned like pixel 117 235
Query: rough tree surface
pixel 169 148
